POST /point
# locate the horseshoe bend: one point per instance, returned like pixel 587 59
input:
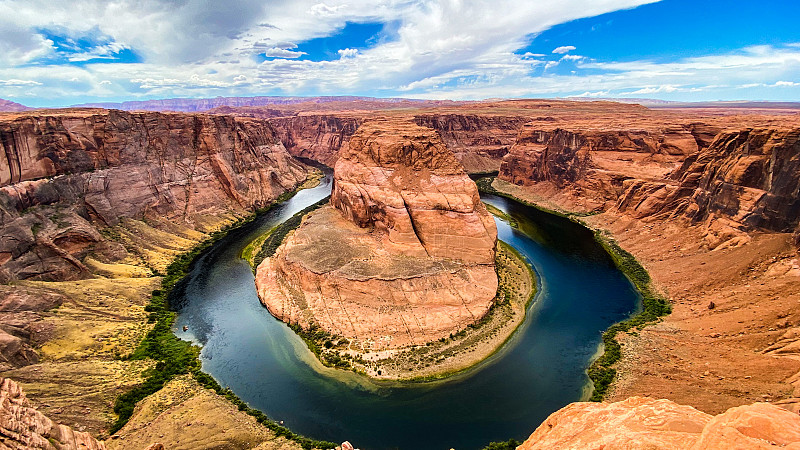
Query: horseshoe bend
pixel 403 257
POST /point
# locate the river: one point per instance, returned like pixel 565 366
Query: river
pixel 541 369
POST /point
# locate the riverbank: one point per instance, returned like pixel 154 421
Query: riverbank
pixel 434 360
pixel 602 372
pixel 734 310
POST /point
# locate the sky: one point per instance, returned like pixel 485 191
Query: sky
pixel 65 53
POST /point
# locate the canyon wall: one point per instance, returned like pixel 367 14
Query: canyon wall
pixel 745 180
pixel 23 427
pixel 90 192
pixel 316 137
pixel 478 141
pixel 64 176
pixel 590 163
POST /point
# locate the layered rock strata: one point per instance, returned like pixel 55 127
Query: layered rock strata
pixel 66 174
pixel 745 180
pixel 316 137
pixel 591 165
pixel 405 254
pixel 479 142
pixel 73 182
pixel 645 423
pixel 23 427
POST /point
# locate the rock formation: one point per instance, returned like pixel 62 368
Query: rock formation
pixel 23 427
pixel 405 255
pixel 403 181
pixel 316 137
pixel 66 174
pixel 593 163
pixel 478 141
pixel 645 423
pixel 745 180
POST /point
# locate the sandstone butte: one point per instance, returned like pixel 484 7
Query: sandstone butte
pixel 403 256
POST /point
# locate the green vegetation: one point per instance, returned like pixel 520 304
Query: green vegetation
pixel 510 444
pixel 174 356
pixel 654 305
pixel 271 240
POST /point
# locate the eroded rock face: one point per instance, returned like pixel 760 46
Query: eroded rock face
pixel 645 423
pixel 403 181
pixel 23 427
pixel 479 142
pixel 405 254
pixel 745 180
pixel 316 137
pixel 593 163
pixel 66 173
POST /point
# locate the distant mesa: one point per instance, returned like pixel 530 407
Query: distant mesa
pixel 9 106
pixel 403 256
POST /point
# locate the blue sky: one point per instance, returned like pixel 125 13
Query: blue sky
pixel 59 53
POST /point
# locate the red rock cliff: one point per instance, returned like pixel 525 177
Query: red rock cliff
pixel 402 180
pixel 316 137
pixel 745 180
pixel 23 427
pixel 64 174
pixel 405 257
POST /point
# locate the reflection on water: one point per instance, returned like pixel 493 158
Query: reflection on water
pixel 541 369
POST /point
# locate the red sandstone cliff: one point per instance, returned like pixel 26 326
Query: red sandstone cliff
pixel 592 163
pixel 745 180
pixel 405 257
pixel 478 141
pixel 316 137
pixel 23 427
pixel 66 174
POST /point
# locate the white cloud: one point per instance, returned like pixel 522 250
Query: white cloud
pixel 276 52
pixel 348 52
pixel 15 83
pixel 434 49
pixel 563 49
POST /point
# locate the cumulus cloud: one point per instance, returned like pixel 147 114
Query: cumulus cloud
pixel 348 52
pixel 563 49
pixel 433 49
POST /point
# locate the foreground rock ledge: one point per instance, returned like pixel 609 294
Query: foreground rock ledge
pixel 405 257
pixel 646 423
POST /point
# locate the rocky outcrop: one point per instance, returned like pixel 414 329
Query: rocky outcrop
pixel 403 181
pixel 67 173
pixel 478 141
pixel 316 137
pixel 404 256
pixel 593 163
pixel 23 427
pixel 745 180
pixel 644 423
